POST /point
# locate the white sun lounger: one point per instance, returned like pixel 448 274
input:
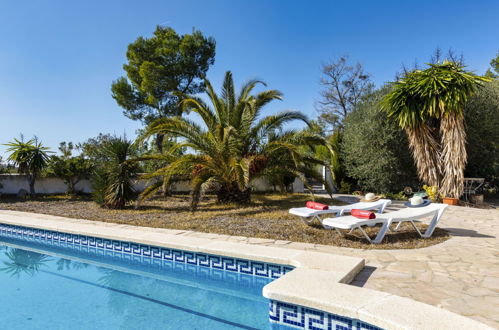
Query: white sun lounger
pixel 308 215
pixel 409 214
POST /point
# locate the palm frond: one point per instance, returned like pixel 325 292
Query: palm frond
pixel 268 124
pixel 148 192
pixel 199 106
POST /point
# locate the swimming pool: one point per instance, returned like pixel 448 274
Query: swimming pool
pixel 59 285
pixel 216 284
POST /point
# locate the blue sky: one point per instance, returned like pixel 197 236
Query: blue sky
pixel 58 58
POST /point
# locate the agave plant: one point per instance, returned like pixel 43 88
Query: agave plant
pixel 234 144
pixel 429 105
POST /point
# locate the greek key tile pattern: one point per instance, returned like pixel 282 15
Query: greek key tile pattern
pixel 301 317
pixel 134 250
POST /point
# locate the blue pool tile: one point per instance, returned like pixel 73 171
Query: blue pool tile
pixel 134 251
pixel 300 317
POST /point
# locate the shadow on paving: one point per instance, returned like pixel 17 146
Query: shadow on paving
pixel 461 232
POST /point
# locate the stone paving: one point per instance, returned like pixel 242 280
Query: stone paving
pixel 460 275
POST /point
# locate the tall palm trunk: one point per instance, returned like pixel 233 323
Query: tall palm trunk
pixel 453 155
pixel 71 187
pixel 159 144
pixel 31 183
pixel 425 150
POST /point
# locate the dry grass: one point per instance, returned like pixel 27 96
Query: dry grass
pixel 266 217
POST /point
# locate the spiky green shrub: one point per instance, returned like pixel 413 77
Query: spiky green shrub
pixel 113 179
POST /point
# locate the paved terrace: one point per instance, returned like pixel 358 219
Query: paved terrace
pixel 460 275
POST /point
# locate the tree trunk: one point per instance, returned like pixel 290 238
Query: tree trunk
pixel 453 156
pixel 71 187
pixel 159 142
pixel 232 194
pixel 425 150
pixel 31 182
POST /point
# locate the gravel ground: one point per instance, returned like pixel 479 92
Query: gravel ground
pixel 266 217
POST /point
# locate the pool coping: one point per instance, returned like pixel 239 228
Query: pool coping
pixel 319 280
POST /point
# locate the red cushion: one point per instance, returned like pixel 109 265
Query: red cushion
pixel 317 206
pixel 362 214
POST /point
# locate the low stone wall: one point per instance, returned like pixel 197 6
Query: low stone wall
pixel 12 183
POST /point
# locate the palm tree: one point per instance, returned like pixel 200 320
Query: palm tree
pixel 31 158
pixel 429 105
pixel 234 145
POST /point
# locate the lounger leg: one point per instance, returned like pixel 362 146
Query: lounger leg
pixel 365 235
pixel 433 224
pixel 416 228
pixel 382 208
pixel 318 219
pixel 308 221
pixel 382 232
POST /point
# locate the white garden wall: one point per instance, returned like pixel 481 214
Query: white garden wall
pixel 12 183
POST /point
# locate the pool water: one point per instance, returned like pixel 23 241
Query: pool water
pixel 54 288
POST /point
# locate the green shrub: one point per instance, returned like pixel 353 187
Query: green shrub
pixel 112 181
pixel 400 196
pixel 71 169
pixel 99 184
pixel 375 149
pixel 482 129
pixel 345 187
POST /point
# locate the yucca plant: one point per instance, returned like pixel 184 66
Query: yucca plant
pixel 234 144
pixel 31 157
pixel 113 180
pixel 429 105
